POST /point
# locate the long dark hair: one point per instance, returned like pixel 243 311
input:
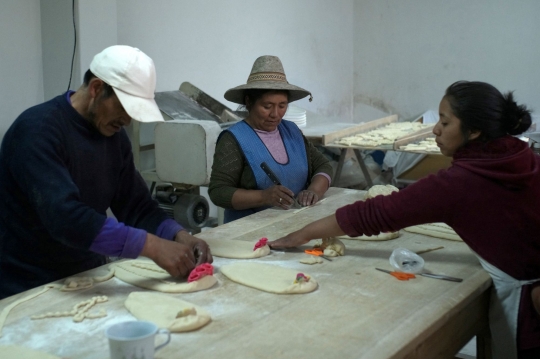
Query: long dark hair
pixel 481 107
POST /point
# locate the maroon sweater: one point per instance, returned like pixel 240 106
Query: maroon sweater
pixel 490 196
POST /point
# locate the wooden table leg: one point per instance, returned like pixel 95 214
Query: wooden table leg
pixel 363 167
pixel 339 168
pixel 483 344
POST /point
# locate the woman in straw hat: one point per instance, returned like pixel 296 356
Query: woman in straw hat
pixel 238 183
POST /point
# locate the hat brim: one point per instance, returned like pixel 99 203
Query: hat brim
pixel 236 94
pixel 139 108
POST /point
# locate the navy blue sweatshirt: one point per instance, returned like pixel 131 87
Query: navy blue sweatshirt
pixel 58 176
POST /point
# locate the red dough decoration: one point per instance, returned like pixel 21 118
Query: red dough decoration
pixel 261 243
pixel 301 277
pixel 202 270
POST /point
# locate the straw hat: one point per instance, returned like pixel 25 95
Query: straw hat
pixel 267 74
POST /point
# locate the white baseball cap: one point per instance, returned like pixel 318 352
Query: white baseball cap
pixel 132 75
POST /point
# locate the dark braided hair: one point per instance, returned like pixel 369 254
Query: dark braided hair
pixel 481 107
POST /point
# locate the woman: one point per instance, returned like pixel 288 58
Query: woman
pixel 490 196
pixel 238 183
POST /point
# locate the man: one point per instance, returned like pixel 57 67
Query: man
pixel 63 163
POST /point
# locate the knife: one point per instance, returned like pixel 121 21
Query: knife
pixel 276 181
pixel 270 174
pixel 440 276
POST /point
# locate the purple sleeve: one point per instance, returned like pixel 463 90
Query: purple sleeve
pixel 118 240
pixel 168 229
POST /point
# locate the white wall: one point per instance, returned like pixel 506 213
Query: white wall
pixel 21 73
pixel 407 52
pixel 57 37
pixel 213 44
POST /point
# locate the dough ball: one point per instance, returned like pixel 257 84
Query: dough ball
pixel 311 260
pixel 333 247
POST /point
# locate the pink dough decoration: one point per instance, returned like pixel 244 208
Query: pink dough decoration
pixel 301 277
pixel 261 243
pixel 202 270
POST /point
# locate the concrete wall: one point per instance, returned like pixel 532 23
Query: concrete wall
pixel 406 52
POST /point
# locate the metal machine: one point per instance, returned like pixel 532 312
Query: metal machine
pixel 176 156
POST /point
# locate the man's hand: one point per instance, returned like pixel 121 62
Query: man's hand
pixel 178 259
pixel 199 248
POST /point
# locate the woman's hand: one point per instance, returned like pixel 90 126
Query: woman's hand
pixel 307 198
pixel 279 196
pixel 294 239
pixel 322 228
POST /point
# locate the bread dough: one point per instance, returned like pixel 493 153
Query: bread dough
pixel 427 145
pixel 79 311
pixel 385 236
pixel 146 274
pixel 229 248
pixel 268 278
pixel 380 190
pixel 332 247
pixel 15 351
pixel 311 260
pixel 384 135
pixel 166 311
pixel 439 230
pixel 70 284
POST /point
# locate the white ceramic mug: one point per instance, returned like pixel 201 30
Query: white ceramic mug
pixel 135 339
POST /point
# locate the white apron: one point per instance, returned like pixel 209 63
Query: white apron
pixel 503 311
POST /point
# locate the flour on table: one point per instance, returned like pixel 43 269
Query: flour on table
pixel 166 311
pixel 439 230
pixel 268 278
pixel 229 248
pixel 385 236
pixel 308 207
pixel 146 274
pixel 16 352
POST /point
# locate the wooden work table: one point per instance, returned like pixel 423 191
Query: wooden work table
pixel 357 311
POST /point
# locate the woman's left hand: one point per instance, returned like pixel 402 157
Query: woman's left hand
pixel 307 198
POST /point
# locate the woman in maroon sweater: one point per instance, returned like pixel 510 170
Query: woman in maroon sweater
pixel 490 196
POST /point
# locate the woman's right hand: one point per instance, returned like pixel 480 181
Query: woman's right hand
pixel 279 196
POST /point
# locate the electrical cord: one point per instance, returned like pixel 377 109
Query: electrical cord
pixel 74 43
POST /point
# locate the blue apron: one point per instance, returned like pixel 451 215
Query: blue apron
pixel 293 174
